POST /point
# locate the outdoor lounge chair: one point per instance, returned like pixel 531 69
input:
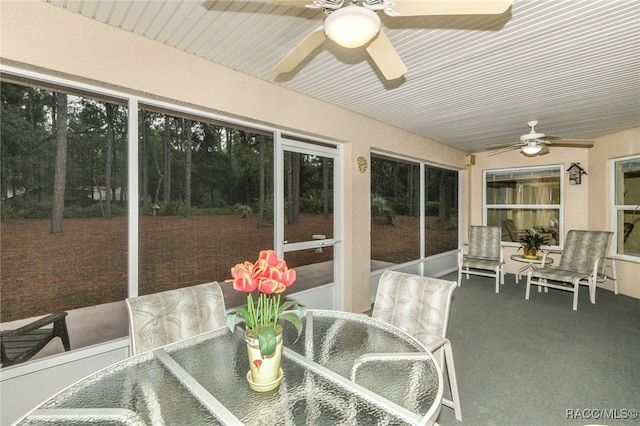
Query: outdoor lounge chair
pixel 420 306
pixel 580 263
pixel 483 255
pixel 23 343
pixel 169 316
pixel 514 233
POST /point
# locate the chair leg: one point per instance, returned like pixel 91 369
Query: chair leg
pixel 498 281
pixel 614 276
pixel 60 329
pixel 576 286
pixel 526 293
pixel 592 291
pixel 453 382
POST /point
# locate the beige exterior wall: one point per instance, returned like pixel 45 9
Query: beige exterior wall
pixel 601 157
pixel 39 37
pixel 587 206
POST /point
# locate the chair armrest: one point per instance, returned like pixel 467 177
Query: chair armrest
pixel 547 252
pixel 435 344
pixel 596 266
pixel 49 319
pixel 462 252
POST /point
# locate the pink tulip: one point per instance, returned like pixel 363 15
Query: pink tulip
pixel 268 286
pixel 269 256
pixel 260 269
pixel 289 277
pixel 286 276
pixel 242 278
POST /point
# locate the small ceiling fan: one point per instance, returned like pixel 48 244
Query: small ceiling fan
pixel 355 23
pixel 536 143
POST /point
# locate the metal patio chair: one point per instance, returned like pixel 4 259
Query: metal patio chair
pixel 580 263
pixel 420 306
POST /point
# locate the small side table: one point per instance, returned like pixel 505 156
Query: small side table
pixel 531 263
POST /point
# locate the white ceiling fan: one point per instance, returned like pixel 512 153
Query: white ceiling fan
pixel 536 143
pixel 355 23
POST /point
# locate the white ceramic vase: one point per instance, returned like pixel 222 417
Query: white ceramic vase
pixel 265 374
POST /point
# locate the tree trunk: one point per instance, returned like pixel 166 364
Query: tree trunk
pixel 396 183
pixel 167 159
pixel 289 197
pixel 411 195
pixel 325 187
pixel 60 165
pixel 293 185
pixel 145 164
pixel 261 189
pixel 108 159
pixel 444 212
pixel 187 185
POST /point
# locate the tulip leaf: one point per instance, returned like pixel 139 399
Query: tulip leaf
pixel 267 341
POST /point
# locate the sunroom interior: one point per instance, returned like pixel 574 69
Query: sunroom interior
pixel 448 180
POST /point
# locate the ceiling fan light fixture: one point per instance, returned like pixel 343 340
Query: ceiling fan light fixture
pixel 532 149
pixel 352 26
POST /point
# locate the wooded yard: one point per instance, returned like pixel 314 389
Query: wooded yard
pixel 87 264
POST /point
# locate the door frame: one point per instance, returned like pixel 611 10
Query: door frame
pixel 321 148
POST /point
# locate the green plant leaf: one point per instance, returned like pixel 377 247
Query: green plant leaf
pixel 231 320
pixel 267 341
pixel 294 319
pixel 286 305
pixel 246 316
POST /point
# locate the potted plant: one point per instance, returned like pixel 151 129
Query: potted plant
pixel 270 277
pixel 531 242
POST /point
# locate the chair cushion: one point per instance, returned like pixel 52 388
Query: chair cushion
pixel 480 263
pixel 583 248
pixel 558 274
pixel 484 242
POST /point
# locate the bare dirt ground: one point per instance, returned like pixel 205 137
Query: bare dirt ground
pixel 87 264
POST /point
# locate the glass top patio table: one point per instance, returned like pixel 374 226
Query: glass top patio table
pixel 344 369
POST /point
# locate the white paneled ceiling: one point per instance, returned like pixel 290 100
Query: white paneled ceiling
pixel 574 65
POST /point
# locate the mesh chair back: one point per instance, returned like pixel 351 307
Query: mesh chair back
pixel 417 305
pixel 169 316
pixel 583 248
pixel 484 242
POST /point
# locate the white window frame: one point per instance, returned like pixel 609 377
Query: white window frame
pixel 559 207
pixel 618 207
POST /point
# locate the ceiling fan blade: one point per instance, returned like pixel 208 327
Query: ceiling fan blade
pixel 575 143
pixel 301 3
pixel 544 151
pixel 450 7
pixel 386 57
pixel 505 149
pixel 301 51
pixel 502 145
